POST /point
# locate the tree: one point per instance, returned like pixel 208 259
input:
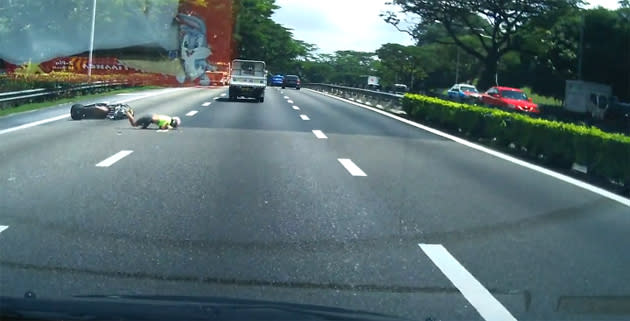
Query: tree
pixel 352 67
pixel 402 64
pixel 494 24
pixel 553 57
pixel 261 38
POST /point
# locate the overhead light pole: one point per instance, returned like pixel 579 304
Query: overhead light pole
pixel 92 40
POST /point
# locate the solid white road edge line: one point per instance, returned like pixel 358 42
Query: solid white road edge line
pixel 35 123
pixel 191 113
pixel 304 117
pixel 296 107
pixel 484 302
pixel 540 169
pixel 66 115
pixel 3 227
pixel 351 167
pixel 319 134
pixel 206 104
pixel 109 161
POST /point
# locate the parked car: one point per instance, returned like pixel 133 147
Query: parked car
pixel 291 81
pixel 276 80
pixel 464 92
pixel 510 98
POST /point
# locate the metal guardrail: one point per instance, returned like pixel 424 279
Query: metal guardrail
pixel 13 98
pixel 382 100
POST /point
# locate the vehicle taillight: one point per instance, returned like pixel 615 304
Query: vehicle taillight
pixel 298 82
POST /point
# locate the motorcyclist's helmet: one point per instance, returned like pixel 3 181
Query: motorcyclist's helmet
pixel 175 121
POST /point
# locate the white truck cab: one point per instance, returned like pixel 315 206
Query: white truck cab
pixel 248 79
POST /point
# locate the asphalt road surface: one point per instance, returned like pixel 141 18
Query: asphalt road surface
pixel 303 198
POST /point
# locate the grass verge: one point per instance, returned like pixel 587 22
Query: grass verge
pixel 44 104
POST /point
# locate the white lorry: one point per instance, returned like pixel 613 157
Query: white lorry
pixel 587 98
pixel 248 79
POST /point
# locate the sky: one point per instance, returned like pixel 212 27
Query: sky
pixel 349 24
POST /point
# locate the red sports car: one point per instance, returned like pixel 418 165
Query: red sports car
pixel 511 98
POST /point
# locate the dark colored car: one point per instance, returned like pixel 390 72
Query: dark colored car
pixel 510 98
pixel 292 81
pixel 277 80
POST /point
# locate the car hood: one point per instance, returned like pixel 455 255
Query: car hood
pixel 517 102
pixel 124 307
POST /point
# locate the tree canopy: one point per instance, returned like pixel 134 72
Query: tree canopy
pixel 495 25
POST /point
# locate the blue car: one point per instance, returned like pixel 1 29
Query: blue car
pixel 277 80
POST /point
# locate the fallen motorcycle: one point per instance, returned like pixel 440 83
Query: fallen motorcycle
pixel 100 111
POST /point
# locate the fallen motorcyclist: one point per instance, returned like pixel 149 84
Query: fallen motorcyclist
pixel 162 121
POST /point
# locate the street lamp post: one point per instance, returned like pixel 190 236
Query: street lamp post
pixel 457 69
pixel 91 40
pixel 581 48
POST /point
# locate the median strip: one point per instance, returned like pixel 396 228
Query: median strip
pixel 114 158
pixel 351 167
pixel 481 299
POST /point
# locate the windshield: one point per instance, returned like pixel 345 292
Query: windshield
pixel 514 94
pixel 334 153
pixel 468 89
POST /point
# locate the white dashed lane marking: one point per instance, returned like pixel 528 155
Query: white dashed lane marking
pixel 319 134
pixel 216 98
pixel 286 97
pixel 304 117
pixel 191 113
pixel 114 158
pixel 206 104
pixel 296 107
pixel 223 94
pixel 3 227
pixel 290 101
pixel 351 167
pixel 487 305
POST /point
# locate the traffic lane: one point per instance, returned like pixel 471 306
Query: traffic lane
pixel 492 211
pixel 573 263
pixel 26 117
pixel 252 188
pixel 65 139
pixel 314 228
pixel 335 116
pixel 54 154
pixel 248 114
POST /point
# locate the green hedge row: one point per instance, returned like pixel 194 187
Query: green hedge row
pixel 559 144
